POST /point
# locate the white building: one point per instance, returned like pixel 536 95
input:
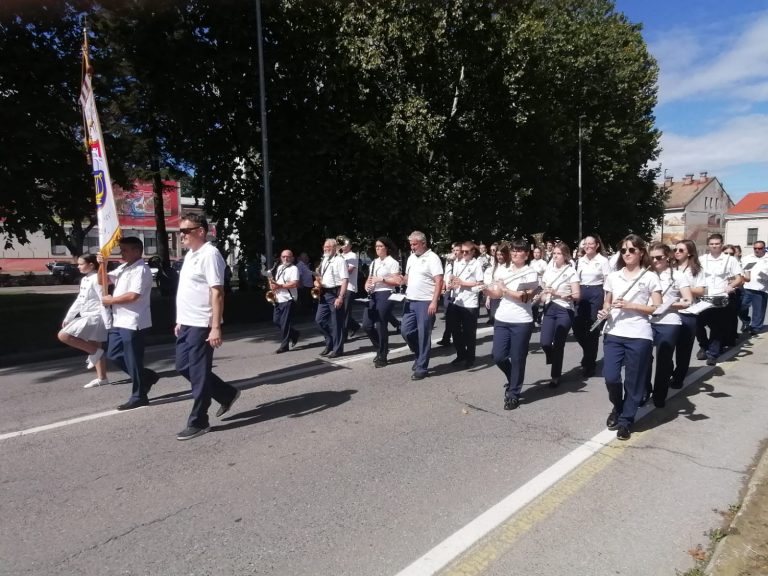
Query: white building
pixel 748 220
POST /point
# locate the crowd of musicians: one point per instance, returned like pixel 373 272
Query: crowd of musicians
pixel 650 303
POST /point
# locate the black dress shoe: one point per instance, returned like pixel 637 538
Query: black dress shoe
pixel 613 421
pixel 325 352
pixel 588 372
pixel 281 350
pixel 131 404
pixel 659 403
pixel 418 375
pixel 701 354
pixel 676 384
pixel 334 354
pixel 623 433
pixel 380 363
pixel 443 342
pixel 294 339
pixel 511 403
pixel 469 363
pixel 457 361
pixel 224 408
pixel 554 383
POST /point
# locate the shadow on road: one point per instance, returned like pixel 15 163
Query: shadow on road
pixel 292 407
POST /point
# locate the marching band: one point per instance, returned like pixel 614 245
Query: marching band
pixel 648 303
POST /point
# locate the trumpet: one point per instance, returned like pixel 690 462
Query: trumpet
pixel 315 291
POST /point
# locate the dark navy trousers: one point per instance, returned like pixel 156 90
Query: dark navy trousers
pixel 717 320
pixel 555 324
pixel 282 316
pixel 685 340
pixel 665 338
pixel 331 321
pixel 194 360
pixel 756 300
pixel 464 331
pixel 634 354
pixel 126 349
pixel 376 319
pixel 510 352
pixel 416 329
pixel 589 304
pixel 349 322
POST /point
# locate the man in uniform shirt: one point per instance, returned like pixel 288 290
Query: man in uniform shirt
pixel 333 277
pixel 131 319
pixel 721 275
pixel 284 285
pixel 424 277
pixel 755 272
pixel 199 314
pixel 350 324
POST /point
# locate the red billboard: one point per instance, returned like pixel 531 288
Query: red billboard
pixel 136 207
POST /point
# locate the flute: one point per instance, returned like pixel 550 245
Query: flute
pixel 604 318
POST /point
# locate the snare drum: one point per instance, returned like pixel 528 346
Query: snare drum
pixel 720 301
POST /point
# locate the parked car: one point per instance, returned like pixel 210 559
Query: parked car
pixel 66 271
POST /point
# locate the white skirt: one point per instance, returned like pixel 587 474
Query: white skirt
pixel 88 328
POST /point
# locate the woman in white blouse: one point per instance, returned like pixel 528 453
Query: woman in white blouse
pixel 83 326
pixel 628 339
pixel 675 293
pixel 687 263
pixel 560 285
pixel 513 323
pixel 383 277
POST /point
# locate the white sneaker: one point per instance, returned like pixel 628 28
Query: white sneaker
pixel 93 358
pixel 96 382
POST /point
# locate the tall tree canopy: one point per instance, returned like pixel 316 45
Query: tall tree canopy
pixel 459 118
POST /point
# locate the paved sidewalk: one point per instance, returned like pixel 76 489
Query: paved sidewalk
pixel 744 550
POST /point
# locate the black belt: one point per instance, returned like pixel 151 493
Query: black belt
pixel 334 290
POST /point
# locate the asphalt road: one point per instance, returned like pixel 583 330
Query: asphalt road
pixel 337 468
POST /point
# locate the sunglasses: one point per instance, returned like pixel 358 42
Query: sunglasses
pixel 188 230
pixel 658 258
pixel 465 251
pixel 630 250
pixel 681 250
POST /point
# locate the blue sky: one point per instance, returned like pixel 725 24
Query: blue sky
pixel 713 87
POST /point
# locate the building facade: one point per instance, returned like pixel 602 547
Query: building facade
pixel 747 221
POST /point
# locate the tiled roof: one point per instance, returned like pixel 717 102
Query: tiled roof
pixel 681 193
pixel 752 203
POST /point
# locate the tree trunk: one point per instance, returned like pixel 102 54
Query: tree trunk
pixel 162 233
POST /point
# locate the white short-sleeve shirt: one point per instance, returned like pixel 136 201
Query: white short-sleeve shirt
pixel 630 323
pixel 381 268
pixel 422 272
pixel 758 274
pixel 332 271
pixel 471 271
pixel 671 282
pixel 351 259
pixel 717 272
pixel 286 275
pixel 559 280
pixel 202 269
pixel 509 310
pixel 136 278
pixel 593 272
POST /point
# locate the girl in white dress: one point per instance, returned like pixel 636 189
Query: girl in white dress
pixel 83 326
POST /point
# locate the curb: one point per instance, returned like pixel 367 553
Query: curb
pixel 742 552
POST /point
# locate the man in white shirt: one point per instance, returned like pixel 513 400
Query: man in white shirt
pixel 424 277
pixel 199 314
pixel 353 265
pixel 334 277
pixel 755 273
pixel 721 275
pixel 285 286
pixel 131 319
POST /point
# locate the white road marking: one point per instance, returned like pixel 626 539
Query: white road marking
pixel 461 540
pixel 59 424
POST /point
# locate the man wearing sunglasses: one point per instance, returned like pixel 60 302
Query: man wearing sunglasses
pixel 721 275
pixel 755 296
pixel 199 314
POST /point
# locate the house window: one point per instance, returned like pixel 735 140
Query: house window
pixel 751 236
pixel 57 249
pixel 150 243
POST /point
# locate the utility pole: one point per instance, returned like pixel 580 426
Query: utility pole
pixel 264 143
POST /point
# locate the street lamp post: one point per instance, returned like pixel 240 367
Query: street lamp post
pixel 264 143
pixel 580 197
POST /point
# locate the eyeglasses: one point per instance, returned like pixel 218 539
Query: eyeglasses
pixel 658 258
pixel 681 250
pixel 630 250
pixel 465 251
pixel 188 230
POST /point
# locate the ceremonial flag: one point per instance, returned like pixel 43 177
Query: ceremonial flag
pixel 106 211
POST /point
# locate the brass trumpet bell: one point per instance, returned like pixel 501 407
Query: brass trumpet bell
pixel 270 297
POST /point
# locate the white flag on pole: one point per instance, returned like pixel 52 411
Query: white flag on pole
pixel 106 210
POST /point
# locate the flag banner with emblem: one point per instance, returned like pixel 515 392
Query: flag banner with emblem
pixel 106 211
